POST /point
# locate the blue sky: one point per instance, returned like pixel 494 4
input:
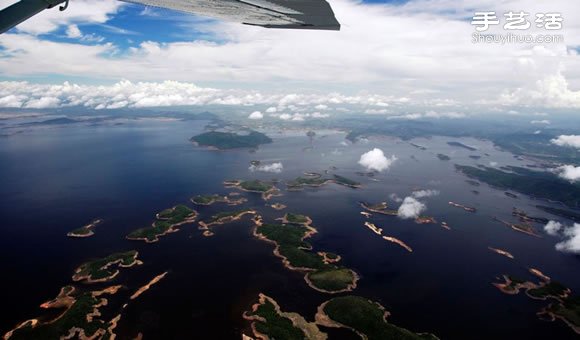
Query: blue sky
pixel 414 51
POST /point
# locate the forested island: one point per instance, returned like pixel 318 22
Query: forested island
pixel 231 140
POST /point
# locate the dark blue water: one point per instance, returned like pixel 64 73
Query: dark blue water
pixel 57 179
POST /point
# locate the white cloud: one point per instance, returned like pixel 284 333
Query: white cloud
pixel 569 172
pixel 273 167
pixel 544 121
pixel 73 31
pixel 493 164
pixel 427 60
pixel 570 234
pixel 567 140
pixel 425 193
pixel 319 115
pixel 256 115
pixel 553 228
pixel 285 116
pixel 410 208
pixel 375 160
pixel 395 198
pixel 42 103
pixel 271 109
pixel 321 107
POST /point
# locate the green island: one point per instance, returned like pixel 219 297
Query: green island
pixel 564 306
pixel 106 268
pixel 296 219
pixel 443 157
pixel 86 230
pixel 222 218
pixel 81 319
pixel 267 189
pixel 211 199
pixel 379 208
pixel 270 322
pixel 541 184
pixel 231 140
pixel 167 221
pixel 367 318
pixel 461 145
pixel 571 215
pixel 297 255
pixel 316 181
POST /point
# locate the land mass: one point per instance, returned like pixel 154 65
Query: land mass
pixel 167 222
pixel 86 230
pixel 231 140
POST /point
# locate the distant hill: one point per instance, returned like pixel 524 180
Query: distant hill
pixel 230 140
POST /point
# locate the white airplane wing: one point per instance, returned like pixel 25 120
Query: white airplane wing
pixel 305 14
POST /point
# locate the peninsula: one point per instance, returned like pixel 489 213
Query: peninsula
pixel 105 269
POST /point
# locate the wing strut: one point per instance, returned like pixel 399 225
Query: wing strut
pixel 24 9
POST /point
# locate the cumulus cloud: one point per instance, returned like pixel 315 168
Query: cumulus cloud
pixel 569 172
pixel 73 31
pixel 256 115
pixel 273 167
pixel 395 198
pixel 410 208
pixel 271 109
pixel 376 160
pixel 571 244
pixel 543 121
pixel 553 228
pixel 425 193
pixel 567 140
pixel 570 235
pixel 285 116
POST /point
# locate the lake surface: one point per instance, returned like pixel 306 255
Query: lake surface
pixel 53 180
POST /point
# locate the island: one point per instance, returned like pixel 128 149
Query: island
pixel 86 230
pixel 267 189
pixel 167 222
pixel 445 225
pixel 538 184
pixel 525 228
pixel 81 318
pixel 147 286
pixel 501 252
pixel 278 206
pixel 461 145
pixel 423 219
pixel 365 317
pixel 380 208
pixel 464 207
pixel 291 218
pixel 211 199
pixel 107 268
pixel 223 218
pixel 563 305
pixel 230 140
pixel 316 180
pixel 399 242
pixel 297 255
pixel 443 157
pixel 571 215
pixel 268 321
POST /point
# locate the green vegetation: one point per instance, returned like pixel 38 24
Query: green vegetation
pixel 443 157
pixel 574 216
pixel 332 279
pixel 206 199
pixel 84 231
pixel 225 215
pixel 105 268
pixel 166 220
pixel 537 146
pixel 274 325
pixel 368 318
pixel 332 256
pixel 569 310
pixel 296 218
pixel 291 246
pixel 461 145
pixel 230 140
pixel 75 316
pixel 256 185
pixel 534 183
pixel 552 288
pixel 306 181
pixel 345 181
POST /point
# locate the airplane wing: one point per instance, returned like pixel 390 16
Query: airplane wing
pixel 304 14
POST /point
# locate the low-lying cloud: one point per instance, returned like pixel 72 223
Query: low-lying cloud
pixel 567 140
pixel 569 172
pixel 570 234
pixel 376 160
pixel 273 167
pixel 256 115
pixel 411 208
pixel 425 193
